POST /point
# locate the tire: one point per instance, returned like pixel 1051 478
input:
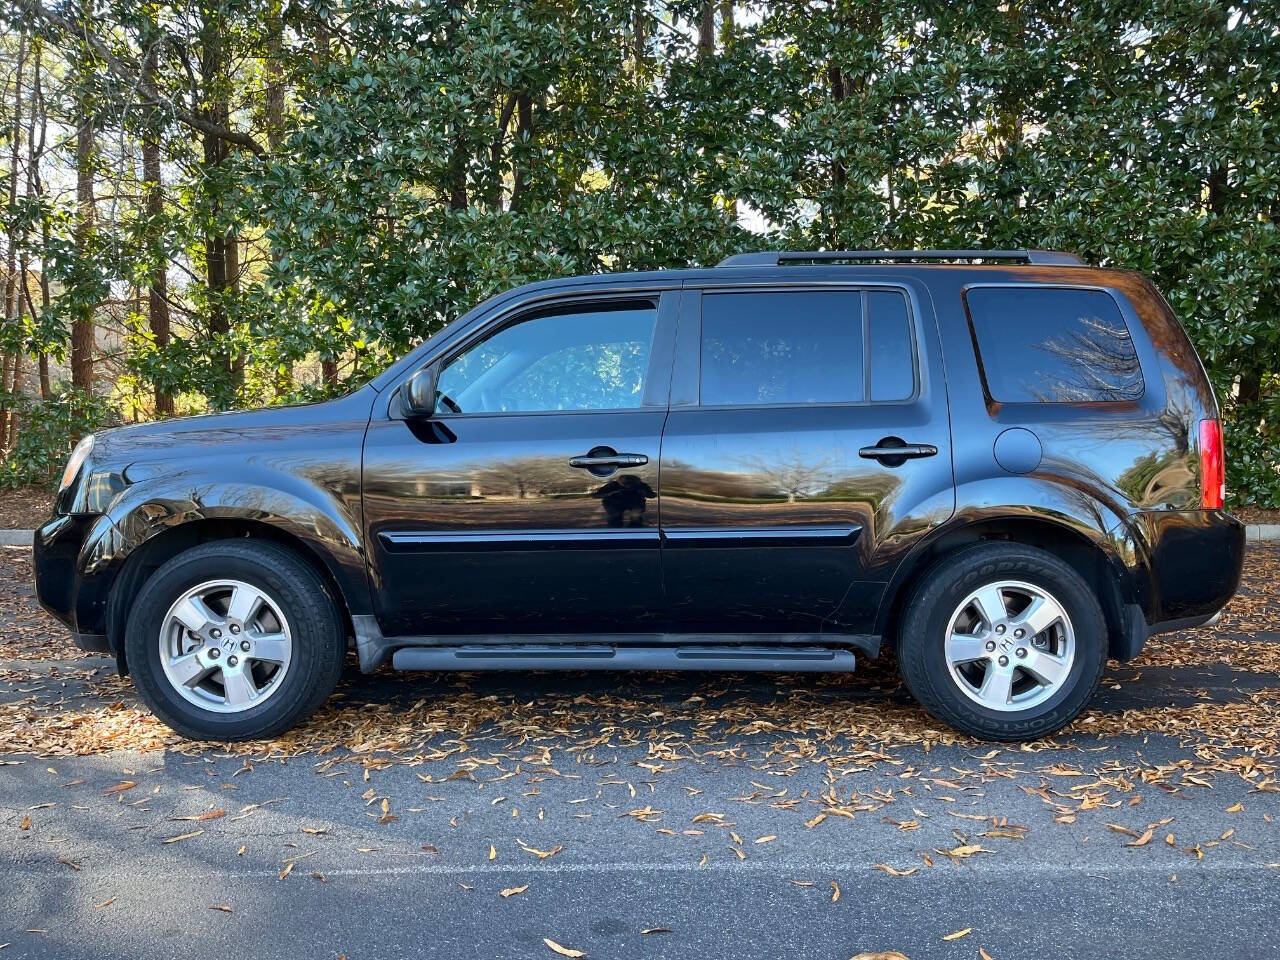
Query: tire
pixel 295 621
pixel 934 660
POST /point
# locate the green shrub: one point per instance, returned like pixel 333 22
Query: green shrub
pixel 49 431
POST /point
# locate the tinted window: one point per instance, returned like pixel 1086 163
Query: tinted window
pixel 591 358
pixel 803 347
pixel 890 362
pixel 1047 345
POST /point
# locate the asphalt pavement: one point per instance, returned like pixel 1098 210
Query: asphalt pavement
pixel 652 815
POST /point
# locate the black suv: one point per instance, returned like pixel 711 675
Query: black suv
pixel 1005 464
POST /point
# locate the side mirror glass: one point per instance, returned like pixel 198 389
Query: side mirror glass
pixel 420 391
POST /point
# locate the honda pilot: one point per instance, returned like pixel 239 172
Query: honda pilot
pixel 1005 465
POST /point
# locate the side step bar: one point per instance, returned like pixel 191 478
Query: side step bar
pixel 514 656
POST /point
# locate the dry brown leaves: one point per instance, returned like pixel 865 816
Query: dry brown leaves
pixel 467 730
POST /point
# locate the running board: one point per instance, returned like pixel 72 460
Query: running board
pixel 517 656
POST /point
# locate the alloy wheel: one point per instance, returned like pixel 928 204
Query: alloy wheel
pixel 225 646
pixel 1010 645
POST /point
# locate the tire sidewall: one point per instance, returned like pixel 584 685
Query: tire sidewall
pixel 301 598
pixel 922 647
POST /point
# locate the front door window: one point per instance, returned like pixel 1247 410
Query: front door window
pixel 570 358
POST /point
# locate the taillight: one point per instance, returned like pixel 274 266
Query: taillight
pixel 1213 480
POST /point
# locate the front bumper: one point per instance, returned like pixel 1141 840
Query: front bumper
pixel 61 589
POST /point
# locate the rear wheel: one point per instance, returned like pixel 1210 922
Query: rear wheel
pixel 234 640
pixel 1003 642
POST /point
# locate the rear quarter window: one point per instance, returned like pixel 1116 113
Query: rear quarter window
pixel 1053 345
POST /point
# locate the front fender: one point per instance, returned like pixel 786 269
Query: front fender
pixel 320 519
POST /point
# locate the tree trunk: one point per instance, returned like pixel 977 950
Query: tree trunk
pixel 1250 389
pixel 274 105
pixel 35 150
pixel 726 23
pixel 274 109
pixel 639 36
pixel 15 418
pixel 86 216
pixel 213 84
pixel 158 290
pixel 707 29
pixel 233 288
pixel 835 77
pixel 12 287
pixel 524 138
pixel 11 305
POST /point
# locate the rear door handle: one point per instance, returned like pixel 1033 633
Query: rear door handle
pixel 892 449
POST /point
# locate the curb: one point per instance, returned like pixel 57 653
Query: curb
pixel 1253 532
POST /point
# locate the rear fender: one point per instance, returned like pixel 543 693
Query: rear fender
pixel 1068 521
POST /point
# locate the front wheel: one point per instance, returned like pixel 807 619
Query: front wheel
pixel 234 640
pixel 1003 642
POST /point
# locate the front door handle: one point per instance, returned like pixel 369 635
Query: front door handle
pixel 602 461
pixel 894 451
pixel 617 460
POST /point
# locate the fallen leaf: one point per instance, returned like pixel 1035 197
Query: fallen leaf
pixel 288 869
pixel 120 787
pixel 563 951
pixel 1125 830
pixel 224 907
pixel 540 854
pixel 893 872
pixel 1235 808
pixel 835 891
pixel 984 955
pixel 655 930
pixel 201 817
pixel 964 850
pixel 183 836
pixel 768 839
pixel 105 903
pixel 958 934
pixel 1143 840
pixel 493 852
pixel 512 891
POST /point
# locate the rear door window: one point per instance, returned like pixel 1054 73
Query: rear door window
pixel 805 346
pixel 1053 345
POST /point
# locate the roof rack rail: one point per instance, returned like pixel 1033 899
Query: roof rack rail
pixel 774 259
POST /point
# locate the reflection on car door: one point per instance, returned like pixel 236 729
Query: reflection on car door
pixel 528 503
pixel 807 448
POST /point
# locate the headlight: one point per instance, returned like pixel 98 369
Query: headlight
pixel 78 457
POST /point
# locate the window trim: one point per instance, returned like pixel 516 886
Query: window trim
pixel 861 288
pixel 1085 287
pixel 659 363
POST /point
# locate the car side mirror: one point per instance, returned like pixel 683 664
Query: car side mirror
pixel 420 392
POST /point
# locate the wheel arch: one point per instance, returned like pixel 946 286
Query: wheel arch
pixel 168 541
pixel 1090 552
